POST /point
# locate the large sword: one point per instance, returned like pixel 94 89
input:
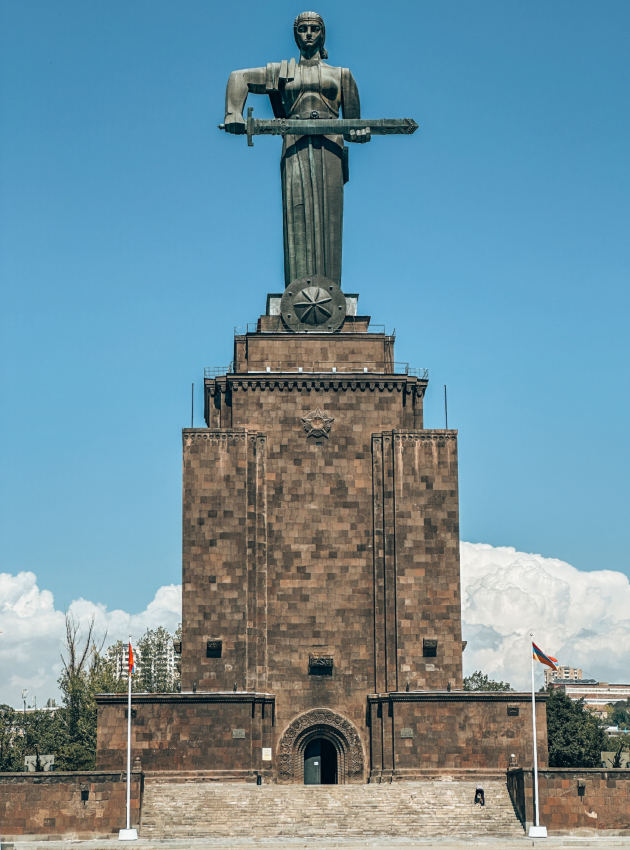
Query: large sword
pixel 316 126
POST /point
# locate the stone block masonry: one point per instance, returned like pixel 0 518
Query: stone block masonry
pixel 320 566
pixel 217 732
pixel 414 732
pixel 416 560
pixel 342 544
pixel 90 804
pixel 574 800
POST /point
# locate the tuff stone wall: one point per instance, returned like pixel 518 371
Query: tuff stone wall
pixel 188 732
pixel 415 732
pixel 311 550
pixel 416 552
pixel 604 803
pixel 339 544
pixel 221 471
pixel 256 352
pixel 404 736
pixel 51 803
pixel 299 532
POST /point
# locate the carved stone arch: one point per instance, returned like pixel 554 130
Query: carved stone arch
pixel 321 723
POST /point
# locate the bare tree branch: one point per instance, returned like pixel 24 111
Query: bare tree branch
pixel 77 654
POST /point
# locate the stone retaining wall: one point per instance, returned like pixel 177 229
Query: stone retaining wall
pixel 182 732
pixel 573 799
pixel 414 731
pixel 88 804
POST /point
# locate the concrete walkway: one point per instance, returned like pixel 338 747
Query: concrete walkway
pixel 323 843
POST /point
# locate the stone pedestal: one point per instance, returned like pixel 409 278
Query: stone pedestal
pixel 321 588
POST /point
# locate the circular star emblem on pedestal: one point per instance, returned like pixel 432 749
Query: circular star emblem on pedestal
pixel 314 304
pixel 314 308
pixel 317 424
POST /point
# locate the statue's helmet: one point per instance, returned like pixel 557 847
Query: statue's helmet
pixel 311 17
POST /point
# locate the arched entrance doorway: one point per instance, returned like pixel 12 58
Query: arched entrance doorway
pixel 342 749
pixel 320 762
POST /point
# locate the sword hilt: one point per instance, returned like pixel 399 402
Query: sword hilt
pixel 250 126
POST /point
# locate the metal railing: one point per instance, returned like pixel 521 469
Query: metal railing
pixel 254 327
pixel 216 371
pixel 419 372
pixel 333 367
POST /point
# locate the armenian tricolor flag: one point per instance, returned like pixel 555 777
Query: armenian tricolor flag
pixel 539 655
pixel 132 663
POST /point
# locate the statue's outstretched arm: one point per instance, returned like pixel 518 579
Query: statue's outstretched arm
pixel 351 106
pixel 238 87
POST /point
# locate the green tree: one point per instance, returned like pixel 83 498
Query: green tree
pixel 480 682
pixel 77 743
pixel 70 732
pixel 10 752
pixel 33 733
pixel 619 714
pixel 39 733
pixel 87 671
pixel 575 737
pixel 617 743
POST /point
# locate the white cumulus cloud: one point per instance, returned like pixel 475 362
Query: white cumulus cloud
pixel 33 631
pixel 581 618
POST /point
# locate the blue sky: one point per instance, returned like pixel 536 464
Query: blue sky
pixel 134 236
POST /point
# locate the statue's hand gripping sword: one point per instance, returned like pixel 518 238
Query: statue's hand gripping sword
pixel 316 126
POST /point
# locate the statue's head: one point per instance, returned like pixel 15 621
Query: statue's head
pixel 310 34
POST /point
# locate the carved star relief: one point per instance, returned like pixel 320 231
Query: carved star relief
pixel 311 309
pixel 317 424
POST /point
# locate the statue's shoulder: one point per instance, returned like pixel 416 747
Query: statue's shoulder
pixel 344 75
pixel 279 74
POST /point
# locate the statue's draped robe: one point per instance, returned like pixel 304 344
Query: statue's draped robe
pixel 314 169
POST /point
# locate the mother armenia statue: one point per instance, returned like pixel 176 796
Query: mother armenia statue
pixel 307 98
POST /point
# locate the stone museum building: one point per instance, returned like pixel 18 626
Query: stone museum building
pixel 321 637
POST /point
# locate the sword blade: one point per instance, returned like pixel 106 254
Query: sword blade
pixel 332 126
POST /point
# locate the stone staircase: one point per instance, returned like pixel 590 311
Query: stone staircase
pixel 196 809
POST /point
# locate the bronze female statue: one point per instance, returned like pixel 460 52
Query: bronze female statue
pixel 314 169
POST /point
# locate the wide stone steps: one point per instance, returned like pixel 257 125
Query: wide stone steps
pixel 412 809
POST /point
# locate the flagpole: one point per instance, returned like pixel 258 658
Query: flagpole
pixel 128 834
pixel 536 831
pixel 129 742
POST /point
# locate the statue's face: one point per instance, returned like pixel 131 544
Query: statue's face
pixel 309 36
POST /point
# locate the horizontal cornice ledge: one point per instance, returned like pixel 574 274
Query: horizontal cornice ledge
pixel 324 381
pixel 291 380
pixel 186 698
pixel 455 696
pixel 60 776
pixel 554 772
pixel 216 435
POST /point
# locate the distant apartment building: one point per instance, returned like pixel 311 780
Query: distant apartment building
pixel 167 658
pixel 562 674
pixel 596 695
